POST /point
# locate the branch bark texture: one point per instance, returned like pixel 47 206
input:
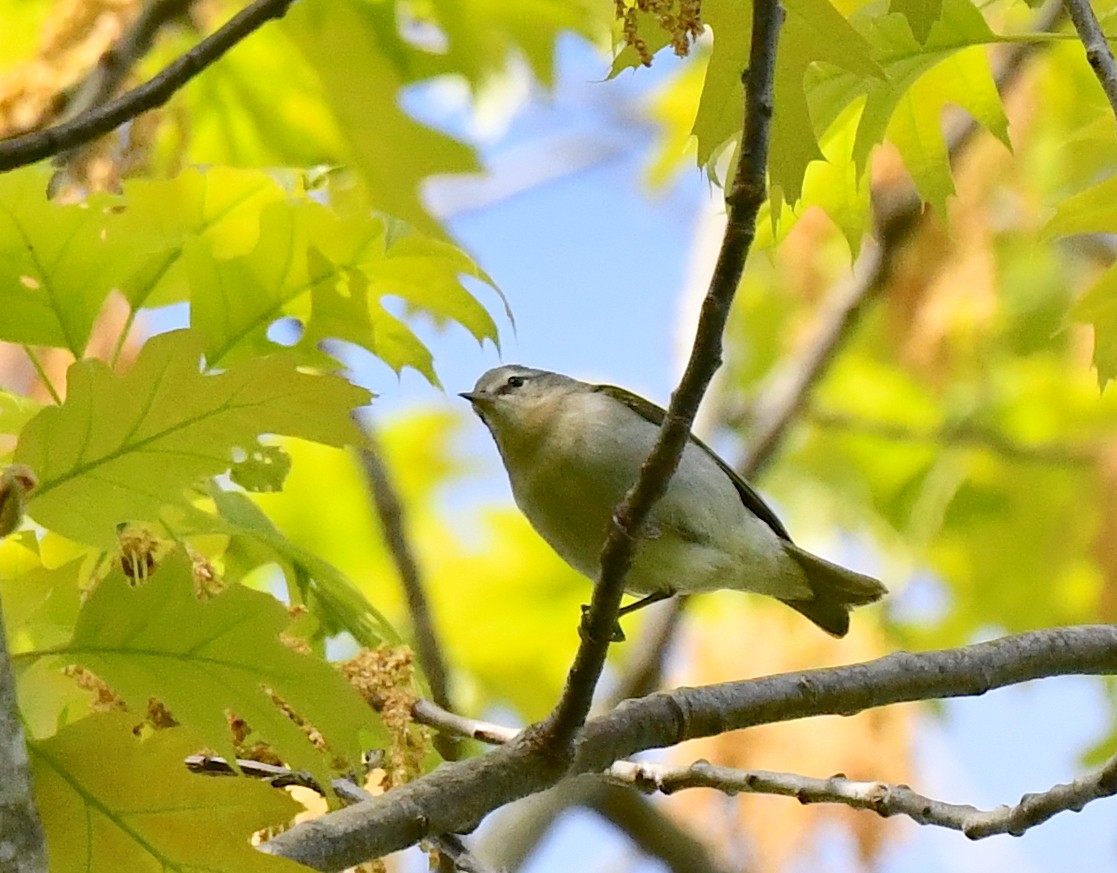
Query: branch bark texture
pixel 879 797
pixel 22 843
pixel 743 202
pixel 455 797
pixel 1098 53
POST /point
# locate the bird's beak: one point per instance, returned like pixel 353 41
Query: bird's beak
pixel 471 396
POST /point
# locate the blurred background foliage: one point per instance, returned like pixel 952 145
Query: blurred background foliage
pixel 959 444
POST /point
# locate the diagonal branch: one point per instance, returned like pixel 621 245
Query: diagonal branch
pixel 19 151
pixel 1097 48
pixel 114 65
pixel 447 845
pixel 455 797
pixel 743 201
pixel 880 797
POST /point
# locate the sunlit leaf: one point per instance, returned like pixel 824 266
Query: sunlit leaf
pixel 206 658
pixel 132 805
pixel 122 448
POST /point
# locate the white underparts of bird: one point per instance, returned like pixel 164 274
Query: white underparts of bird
pixel 572 450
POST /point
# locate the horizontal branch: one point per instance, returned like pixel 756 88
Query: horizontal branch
pixel 880 797
pixel 19 151
pixel 455 797
pixel 435 716
pixel 347 790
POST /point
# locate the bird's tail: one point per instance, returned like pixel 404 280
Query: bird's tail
pixel 836 591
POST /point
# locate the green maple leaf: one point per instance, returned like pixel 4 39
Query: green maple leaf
pixel 331 272
pixel 256 540
pixel 921 15
pixel 220 206
pixel 392 152
pixel 206 658
pixel 111 801
pixel 56 269
pixel 121 448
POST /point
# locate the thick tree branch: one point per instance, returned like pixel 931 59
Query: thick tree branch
pixel 1097 48
pixel 880 797
pixel 389 511
pixel 449 846
pixel 456 796
pixel 743 201
pixel 19 151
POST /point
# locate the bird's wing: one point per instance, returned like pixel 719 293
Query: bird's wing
pixel 655 414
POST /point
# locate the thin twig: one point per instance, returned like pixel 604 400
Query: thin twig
pixel 432 714
pixel 1097 48
pixel 880 797
pixel 743 201
pixel 456 796
pixel 114 64
pixel 390 512
pixel 26 149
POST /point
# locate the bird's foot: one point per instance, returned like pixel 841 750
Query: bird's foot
pixel 617 635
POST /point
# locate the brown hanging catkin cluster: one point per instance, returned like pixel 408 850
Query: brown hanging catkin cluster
pixel 682 19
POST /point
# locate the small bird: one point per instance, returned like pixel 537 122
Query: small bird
pixel 572 450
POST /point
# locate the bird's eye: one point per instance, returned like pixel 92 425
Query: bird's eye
pixel 515 382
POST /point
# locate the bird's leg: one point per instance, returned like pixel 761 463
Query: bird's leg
pixel 618 634
pixel 654 597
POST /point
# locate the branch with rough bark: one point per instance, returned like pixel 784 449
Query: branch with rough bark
pixel 1098 53
pixel 455 797
pixel 22 843
pixel 880 797
pixel 785 400
pixel 28 148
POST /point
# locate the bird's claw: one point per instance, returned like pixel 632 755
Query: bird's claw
pixel 617 635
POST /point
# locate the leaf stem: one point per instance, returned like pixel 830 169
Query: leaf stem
pixel 42 373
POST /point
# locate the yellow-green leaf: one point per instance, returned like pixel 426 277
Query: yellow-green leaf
pixel 120 448
pixel 111 801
